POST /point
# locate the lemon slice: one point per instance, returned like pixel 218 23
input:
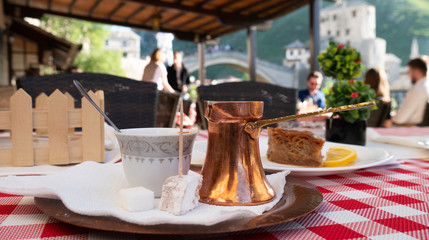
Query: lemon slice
pixel 339 156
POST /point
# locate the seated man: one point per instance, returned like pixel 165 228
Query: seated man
pixel 413 106
pixel 314 82
pixel 177 74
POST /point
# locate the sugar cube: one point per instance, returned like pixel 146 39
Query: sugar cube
pixel 180 194
pixel 136 199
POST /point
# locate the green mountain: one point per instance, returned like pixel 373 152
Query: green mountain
pixel 398 21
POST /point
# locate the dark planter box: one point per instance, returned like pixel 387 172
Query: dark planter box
pixel 338 130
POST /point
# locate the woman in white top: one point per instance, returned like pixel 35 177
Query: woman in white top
pixel 156 72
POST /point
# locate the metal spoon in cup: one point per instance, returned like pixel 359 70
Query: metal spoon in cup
pixel 85 94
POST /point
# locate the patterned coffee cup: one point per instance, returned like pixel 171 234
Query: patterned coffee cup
pixel 151 155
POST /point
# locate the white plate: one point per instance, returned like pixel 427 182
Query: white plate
pixel 366 157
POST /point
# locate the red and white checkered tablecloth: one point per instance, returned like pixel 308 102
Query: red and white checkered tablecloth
pixel 369 204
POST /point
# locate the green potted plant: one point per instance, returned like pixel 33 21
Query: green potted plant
pixel 343 63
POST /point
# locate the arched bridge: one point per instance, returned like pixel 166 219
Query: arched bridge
pixel 265 71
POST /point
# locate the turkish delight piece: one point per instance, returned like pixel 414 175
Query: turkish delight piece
pixel 180 194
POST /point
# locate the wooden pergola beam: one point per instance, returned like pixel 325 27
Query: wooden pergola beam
pixel 19 27
pixel 72 6
pixel 225 5
pixel 37 13
pixel 226 18
pixel 137 11
pixel 202 3
pixel 255 4
pixel 252 5
pixel 176 6
pixel 190 20
pixel 180 14
pixel 219 32
pixel 115 10
pixel 205 23
pixel 91 11
pixel 228 21
pixel 49 4
pixel 209 31
pixel 150 16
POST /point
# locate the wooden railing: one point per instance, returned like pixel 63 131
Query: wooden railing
pixel 46 134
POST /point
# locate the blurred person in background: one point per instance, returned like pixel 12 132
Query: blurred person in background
pixel 156 72
pixel 426 59
pixel 413 107
pixel 377 80
pixel 314 82
pixel 177 74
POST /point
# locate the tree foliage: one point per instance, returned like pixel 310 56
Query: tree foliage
pixel 398 21
pixel 97 59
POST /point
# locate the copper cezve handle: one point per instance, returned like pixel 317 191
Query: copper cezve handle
pixel 250 127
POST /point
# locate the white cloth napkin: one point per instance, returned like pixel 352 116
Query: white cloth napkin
pixel 409 141
pixel 92 189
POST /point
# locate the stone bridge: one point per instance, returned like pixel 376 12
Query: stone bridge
pixel 265 71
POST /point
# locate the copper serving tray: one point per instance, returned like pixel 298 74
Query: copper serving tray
pixel 299 199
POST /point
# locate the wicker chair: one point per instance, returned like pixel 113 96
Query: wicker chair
pixel 166 109
pixel 168 105
pixel 378 116
pixel 129 103
pixel 425 122
pixel 278 101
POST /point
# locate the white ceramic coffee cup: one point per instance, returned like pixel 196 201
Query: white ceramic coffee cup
pixel 151 155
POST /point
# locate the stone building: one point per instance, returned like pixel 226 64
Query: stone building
pixel 391 66
pixel 296 52
pixel 124 40
pixel 128 42
pixel 353 23
pixel 348 22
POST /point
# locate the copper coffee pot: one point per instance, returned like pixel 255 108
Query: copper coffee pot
pixel 232 172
